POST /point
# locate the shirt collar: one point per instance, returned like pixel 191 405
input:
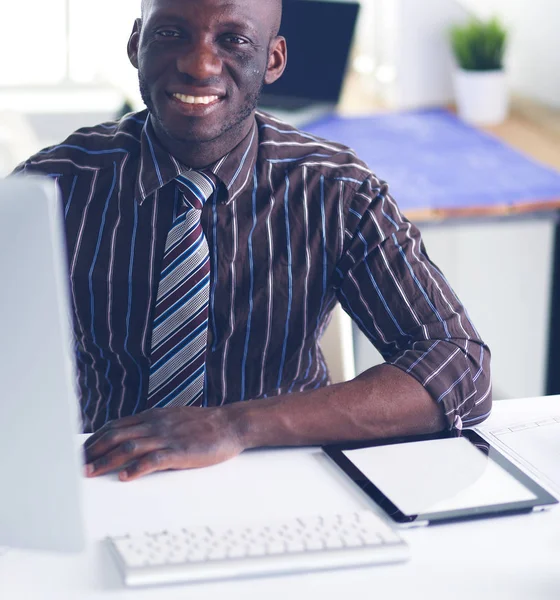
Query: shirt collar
pixel 158 167
pixel 235 168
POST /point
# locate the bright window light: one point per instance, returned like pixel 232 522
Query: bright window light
pixel 56 41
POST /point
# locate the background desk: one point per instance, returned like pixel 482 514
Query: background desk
pixel 513 558
pixel 488 215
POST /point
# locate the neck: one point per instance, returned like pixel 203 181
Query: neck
pixel 198 155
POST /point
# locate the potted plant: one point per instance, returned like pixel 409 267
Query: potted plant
pixel 480 79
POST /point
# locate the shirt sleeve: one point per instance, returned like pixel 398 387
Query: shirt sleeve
pixel 19 170
pixel 405 306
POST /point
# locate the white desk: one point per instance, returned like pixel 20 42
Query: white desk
pixel 509 558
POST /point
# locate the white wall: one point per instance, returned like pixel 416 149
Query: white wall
pixel 423 55
pixel 502 272
pixel 534 53
pixel 412 37
pixel 409 41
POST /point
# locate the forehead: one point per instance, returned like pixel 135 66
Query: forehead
pixel 263 13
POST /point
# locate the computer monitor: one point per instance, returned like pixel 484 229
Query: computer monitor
pixel 41 465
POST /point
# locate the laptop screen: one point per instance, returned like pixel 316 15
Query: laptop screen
pixel 319 37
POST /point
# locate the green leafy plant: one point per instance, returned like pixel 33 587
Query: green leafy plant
pixel 479 45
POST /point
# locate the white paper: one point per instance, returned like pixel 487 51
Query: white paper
pixel 534 443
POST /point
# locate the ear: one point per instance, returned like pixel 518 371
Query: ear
pixel 133 43
pixel 277 60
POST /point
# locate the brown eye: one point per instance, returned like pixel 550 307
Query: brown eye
pixel 236 40
pixel 167 33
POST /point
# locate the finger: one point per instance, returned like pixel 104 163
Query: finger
pixel 159 460
pixel 116 424
pixel 122 455
pixel 113 437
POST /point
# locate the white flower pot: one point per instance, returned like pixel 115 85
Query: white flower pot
pixel 482 96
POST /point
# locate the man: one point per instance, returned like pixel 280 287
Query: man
pixel 208 244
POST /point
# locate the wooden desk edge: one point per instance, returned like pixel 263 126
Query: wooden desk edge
pixel 499 210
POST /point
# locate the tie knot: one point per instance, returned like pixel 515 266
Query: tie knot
pixel 196 187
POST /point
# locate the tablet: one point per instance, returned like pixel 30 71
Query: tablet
pixel 432 479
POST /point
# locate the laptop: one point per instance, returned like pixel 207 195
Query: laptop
pixel 319 35
pixel 41 474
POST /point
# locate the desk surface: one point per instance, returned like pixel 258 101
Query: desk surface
pixel 439 167
pixel 507 558
pixel 531 127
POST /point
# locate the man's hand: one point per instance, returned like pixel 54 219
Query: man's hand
pixel 162 439
pixel 382 402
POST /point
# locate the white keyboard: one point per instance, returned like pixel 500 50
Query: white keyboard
pixel 290 546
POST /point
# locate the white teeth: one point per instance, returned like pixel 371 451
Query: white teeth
pixel 195 99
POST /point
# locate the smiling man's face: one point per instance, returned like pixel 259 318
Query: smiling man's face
pixel 202 64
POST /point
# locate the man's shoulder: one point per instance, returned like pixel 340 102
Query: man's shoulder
pixel 280 142
pixel 90 148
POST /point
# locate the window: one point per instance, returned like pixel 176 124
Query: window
pixel 53 41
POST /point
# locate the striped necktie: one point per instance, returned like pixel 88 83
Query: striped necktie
pixel 180 328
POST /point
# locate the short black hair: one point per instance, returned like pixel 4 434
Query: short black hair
pixel 284 4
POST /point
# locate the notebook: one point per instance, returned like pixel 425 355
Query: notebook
pixel 534 443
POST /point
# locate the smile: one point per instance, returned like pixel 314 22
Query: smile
pixel 196 99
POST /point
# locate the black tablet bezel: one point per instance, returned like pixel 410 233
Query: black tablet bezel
pixel 543 497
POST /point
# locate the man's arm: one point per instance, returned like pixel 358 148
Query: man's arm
pixel 382 402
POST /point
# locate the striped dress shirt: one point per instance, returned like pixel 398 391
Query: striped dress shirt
pixel 296 225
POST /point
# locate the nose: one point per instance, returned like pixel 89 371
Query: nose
pixel 200 61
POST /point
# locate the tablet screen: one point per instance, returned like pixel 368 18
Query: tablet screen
pixel 440 475
pixel 435 478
